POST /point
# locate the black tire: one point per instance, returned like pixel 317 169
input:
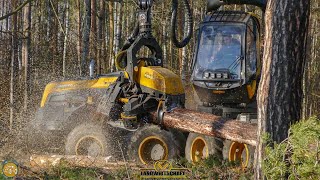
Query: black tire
pixel 199 147
pixel 87 139
pixel 150 143
pixel 244 154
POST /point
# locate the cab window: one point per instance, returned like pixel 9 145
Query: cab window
pixel 251 49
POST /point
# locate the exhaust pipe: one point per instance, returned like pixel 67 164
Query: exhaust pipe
pixel 91 69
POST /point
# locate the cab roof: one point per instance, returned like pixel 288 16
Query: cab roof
pixel 227 16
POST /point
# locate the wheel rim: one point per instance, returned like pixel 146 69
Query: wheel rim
pixel 89 146
pixel 199 149
pixel 152 149
pixel 239 152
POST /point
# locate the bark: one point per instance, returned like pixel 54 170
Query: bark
pixel 26 53
pixel 65 41
pixel 2 10
pixel 164 34
pixel 210 125
pixel 93 32
pixel 55 41
pixel 86 34
pixel 280 89
pixel 13 67
pixel 79 43
pixel 117 30
pixel 111 32
pixel 184 60
pixel 101 44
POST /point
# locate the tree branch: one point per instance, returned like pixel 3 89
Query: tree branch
pixel 316 95
pixel 16 10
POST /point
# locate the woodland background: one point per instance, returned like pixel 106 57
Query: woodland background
pixel 50 40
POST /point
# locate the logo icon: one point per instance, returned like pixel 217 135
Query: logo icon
pixel 9 168
pixel 162 165
pixel 163 169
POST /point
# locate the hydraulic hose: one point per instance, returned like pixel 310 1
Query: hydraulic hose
pixel 188 35
pixel 176 42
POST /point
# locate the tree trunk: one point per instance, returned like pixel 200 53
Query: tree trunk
pixel 101 27
pixel 65 40
pixel 25 52
pixel 79 42
pixel 111 33
pixel 280 89
pixel 117 24
pixel 93 32
pixel 56 64
pixel 210 125
pixel 13 67
pixel 86 34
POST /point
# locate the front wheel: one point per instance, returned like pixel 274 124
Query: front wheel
pixel 150 144
pixel 87 140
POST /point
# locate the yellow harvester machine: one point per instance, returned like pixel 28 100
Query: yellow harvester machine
pixel 109 115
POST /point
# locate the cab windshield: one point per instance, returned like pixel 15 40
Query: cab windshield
pixel 219 49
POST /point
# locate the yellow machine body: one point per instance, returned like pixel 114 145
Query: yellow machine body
pixel 151 78
pixel 56 87
pixel 159 79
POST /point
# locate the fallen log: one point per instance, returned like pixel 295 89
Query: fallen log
pixel 209 124
pixel 48 161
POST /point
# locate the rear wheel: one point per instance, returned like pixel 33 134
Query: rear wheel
pixel 150 143
pixel 199 147
pixel 235 151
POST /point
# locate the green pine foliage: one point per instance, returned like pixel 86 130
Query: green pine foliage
pixel 298 157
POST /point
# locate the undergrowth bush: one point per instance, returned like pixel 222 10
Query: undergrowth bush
pixel 215 168
pixel 298 157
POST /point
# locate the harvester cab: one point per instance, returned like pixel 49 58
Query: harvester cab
pixel 227 61
pixel 225 74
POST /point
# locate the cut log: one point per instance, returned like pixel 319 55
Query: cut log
pixel 48 161
pixel 209 124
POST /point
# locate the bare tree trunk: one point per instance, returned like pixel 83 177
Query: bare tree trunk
pixel 280 89
pixel 184 62
pixel 164 34
pixel 2 13
pixel 101 26
pixel 25 52
pixel 79 42
pixel 13 67
pixel 65 41
pixel 117 30
pixel 119 26
pixel 111 32
pixel 93 32
pixel 86 34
